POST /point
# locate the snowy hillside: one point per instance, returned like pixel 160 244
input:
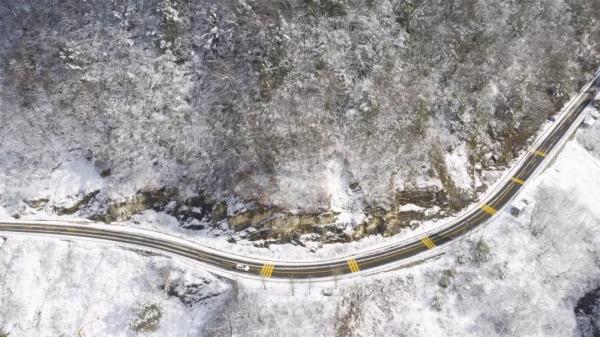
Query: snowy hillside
pixel 296 130
pixel 533 275
pixel 235 113
pixel 52 288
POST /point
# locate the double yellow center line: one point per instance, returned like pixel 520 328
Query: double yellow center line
pixel 353 265
pixel 517 180
pixel 491 210
pixel 428 242
pixel 267 270
pixel 488 209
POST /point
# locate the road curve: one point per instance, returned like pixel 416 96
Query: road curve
pixel 350 264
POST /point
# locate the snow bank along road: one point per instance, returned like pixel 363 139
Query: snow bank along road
pixel 260 268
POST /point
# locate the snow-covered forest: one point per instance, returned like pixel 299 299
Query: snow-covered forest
pixel 353 107
pixel 270 127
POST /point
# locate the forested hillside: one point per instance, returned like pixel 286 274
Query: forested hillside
pixel 282 113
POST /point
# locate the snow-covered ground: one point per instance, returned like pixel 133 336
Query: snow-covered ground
pixel 52 287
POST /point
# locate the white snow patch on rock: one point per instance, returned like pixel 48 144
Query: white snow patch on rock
pixel 71 181
pixel 457 164
pixel 349 203
pixel 403 180
pixel 410 208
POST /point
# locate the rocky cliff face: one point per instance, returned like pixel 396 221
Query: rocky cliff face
pixel 317 106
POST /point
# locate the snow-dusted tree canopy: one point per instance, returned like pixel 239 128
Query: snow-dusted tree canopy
pixel 300 104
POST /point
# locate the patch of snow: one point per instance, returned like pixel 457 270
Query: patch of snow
pixel 71 181
pixel 342 199
pixel 575 161
pixel 64 185
pixel 3 213
pixel 422 183
pixel 410 208
pixel 433 210
pixel 457 164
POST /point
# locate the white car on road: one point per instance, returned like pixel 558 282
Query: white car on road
pixel 242 267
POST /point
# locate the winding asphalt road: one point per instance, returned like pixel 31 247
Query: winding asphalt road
pixel 351 264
